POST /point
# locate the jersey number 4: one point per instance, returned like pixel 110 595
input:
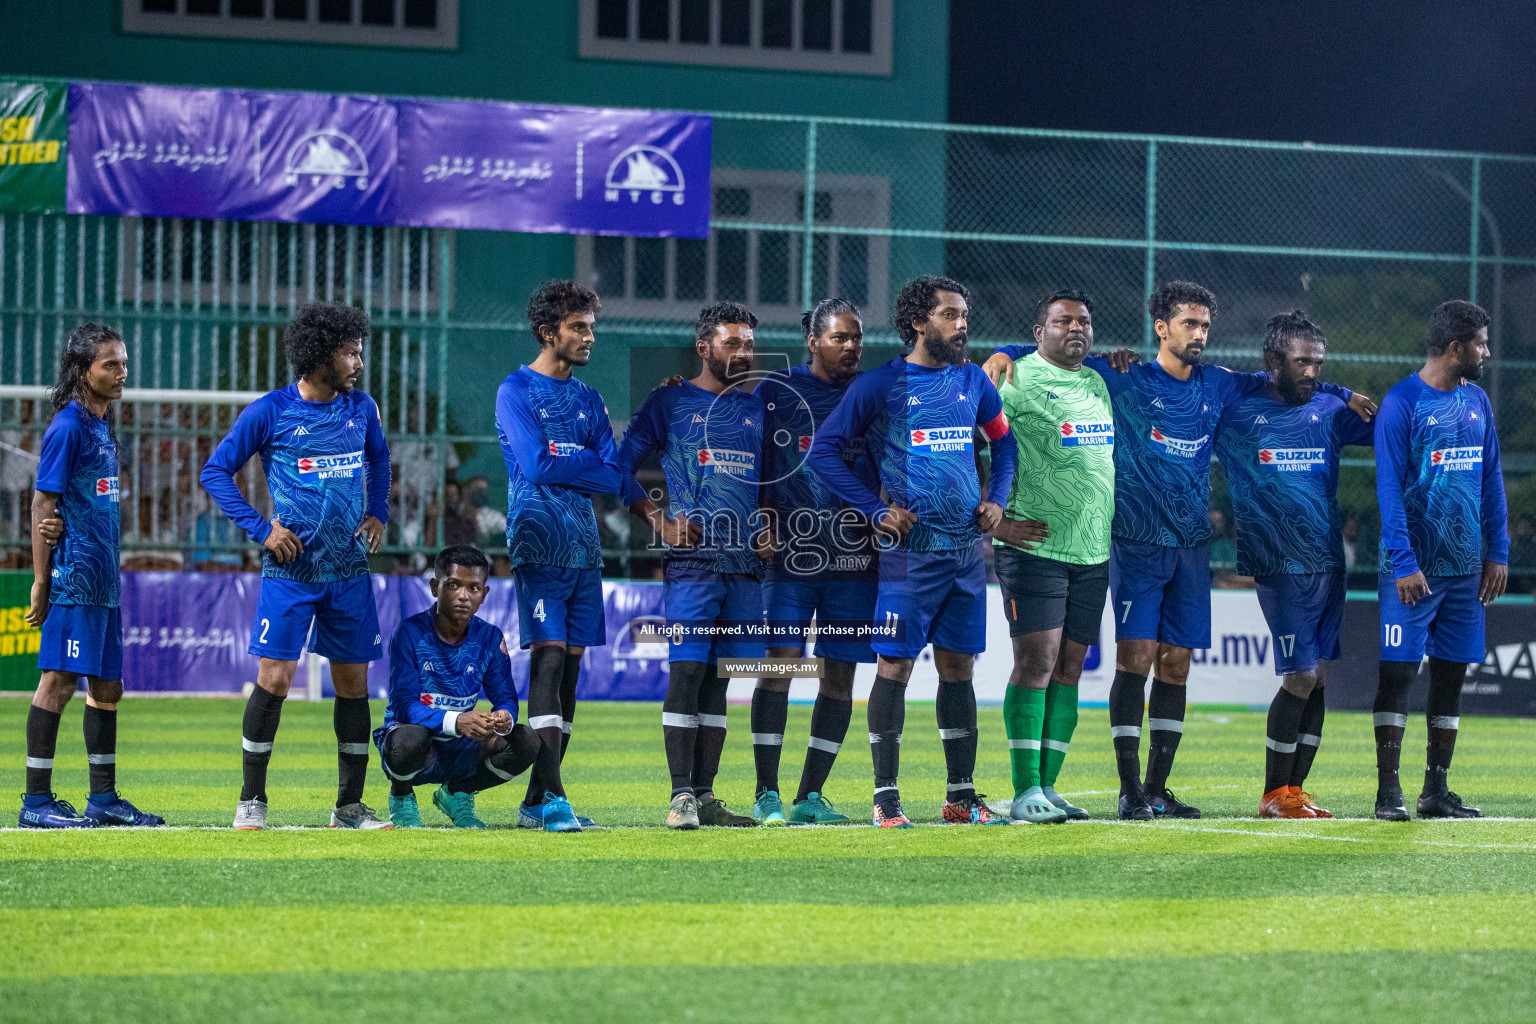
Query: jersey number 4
pixel 538 610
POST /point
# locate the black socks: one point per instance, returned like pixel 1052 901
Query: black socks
pixel 263 712
pixel 887 716
pixel 1310 735
pixel 956 711
pixel 1390 719
pixel 1444 713
pixel 829 727
pixel 711 733
pixel 680 721
pixel 352 721
pixel 101 748
pixel 42 742
pixel 770 716
pixel 1280 741
pixel 546 675
pixel 1165 723
pixel 1127 699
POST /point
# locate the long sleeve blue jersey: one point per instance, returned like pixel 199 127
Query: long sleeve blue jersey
pixel 1439 484
pixel 818 531
pixel 432 682
pixel 919 423
pixel 1282 464
pixel 79 464
pixel 327 466
pixel 711 450
pixel 1163 432
pixel 558 446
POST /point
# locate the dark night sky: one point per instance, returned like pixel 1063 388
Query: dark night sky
pixel 1441 75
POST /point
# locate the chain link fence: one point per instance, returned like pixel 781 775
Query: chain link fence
pixel 1367 241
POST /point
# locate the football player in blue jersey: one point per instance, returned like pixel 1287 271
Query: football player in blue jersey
pixel 824 565
pixel 327 465
pixel 1280 450
pixel 558 447
pixel 75 588
pixel 441 662
pixel 1166 413
pixel 1444 548
pixel 919 414
pixel 709 434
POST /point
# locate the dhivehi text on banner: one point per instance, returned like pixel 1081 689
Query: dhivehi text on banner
pixel 227 154
pixel 516 167
pixel 33 146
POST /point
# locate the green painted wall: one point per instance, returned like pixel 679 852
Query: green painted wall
pixel 526 50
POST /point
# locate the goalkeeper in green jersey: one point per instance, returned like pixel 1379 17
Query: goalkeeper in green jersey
pixel 1053 544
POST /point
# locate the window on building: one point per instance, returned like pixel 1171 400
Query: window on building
pixel 670 278
pixel 848 36
pixel 422 23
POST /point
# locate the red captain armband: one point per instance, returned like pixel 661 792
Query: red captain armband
pixel 996 427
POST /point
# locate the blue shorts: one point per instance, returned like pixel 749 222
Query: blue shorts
pixel 713 615
pixel 556 603
pixel 1447 624
pixel 931 597
pixel 840 603
pixel 454 759
pixel 84 639
pixel 1161 593
pixel 345 620
pixel 1304 613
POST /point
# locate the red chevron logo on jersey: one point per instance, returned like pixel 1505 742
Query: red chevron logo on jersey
pixel 805 442
pixel 1436 457
pixel 1066 430
pixel 703 456
pixel 426 699
pixel 306 465
pixel 1266 456
pixel 918 437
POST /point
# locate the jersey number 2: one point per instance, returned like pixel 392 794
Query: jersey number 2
pixel 266 624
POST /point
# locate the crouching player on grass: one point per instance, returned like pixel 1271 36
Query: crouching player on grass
pixel 441 662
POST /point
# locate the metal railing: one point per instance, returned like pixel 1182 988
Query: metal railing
pixel 1366 240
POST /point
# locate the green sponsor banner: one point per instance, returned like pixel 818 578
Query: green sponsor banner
pixel 34 126
pixel 18 641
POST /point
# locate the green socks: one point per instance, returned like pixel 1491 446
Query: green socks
pixel 1024 717
pixel 1060 721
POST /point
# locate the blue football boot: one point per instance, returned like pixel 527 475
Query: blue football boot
pixel 52 813
pixel 111 809
pixel 558 816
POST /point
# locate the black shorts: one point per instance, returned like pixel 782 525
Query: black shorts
pixel 1042 593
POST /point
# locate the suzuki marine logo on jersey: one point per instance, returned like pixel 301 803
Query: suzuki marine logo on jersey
pixel 1451 460
pixel 805 442
pixel 727 461
pixel 1178 448
pixel 331 467
pixel 565 449
pixel 1292 460
pixel 106 488
pixel 1100 432
pixel 444 700
pixel 941 439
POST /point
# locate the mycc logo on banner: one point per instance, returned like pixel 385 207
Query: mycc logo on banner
pixel 644 169
pixel 326 153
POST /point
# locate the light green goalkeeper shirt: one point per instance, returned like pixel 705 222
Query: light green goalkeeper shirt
pixel 1065 431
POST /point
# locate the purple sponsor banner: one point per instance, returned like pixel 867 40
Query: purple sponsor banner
pixel 318 159
pixel 189 631
pixel 518 167
pixel 149 151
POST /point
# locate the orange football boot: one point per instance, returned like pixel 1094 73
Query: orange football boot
pixel 1309 803
pixel 1284 802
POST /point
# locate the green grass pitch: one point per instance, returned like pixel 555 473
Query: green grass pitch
pixel 1223 919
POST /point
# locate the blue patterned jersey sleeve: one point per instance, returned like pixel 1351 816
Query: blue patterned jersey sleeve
pixel 376 456
pixel 863 401
pixel 61 450
pixel 405 683
pixel 1004 449
pixel 1495 508
pixel 1394 424
pixel 1349 428
pixel 646 434
pixel 497 677
pixel 522 442
pixel 251 432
